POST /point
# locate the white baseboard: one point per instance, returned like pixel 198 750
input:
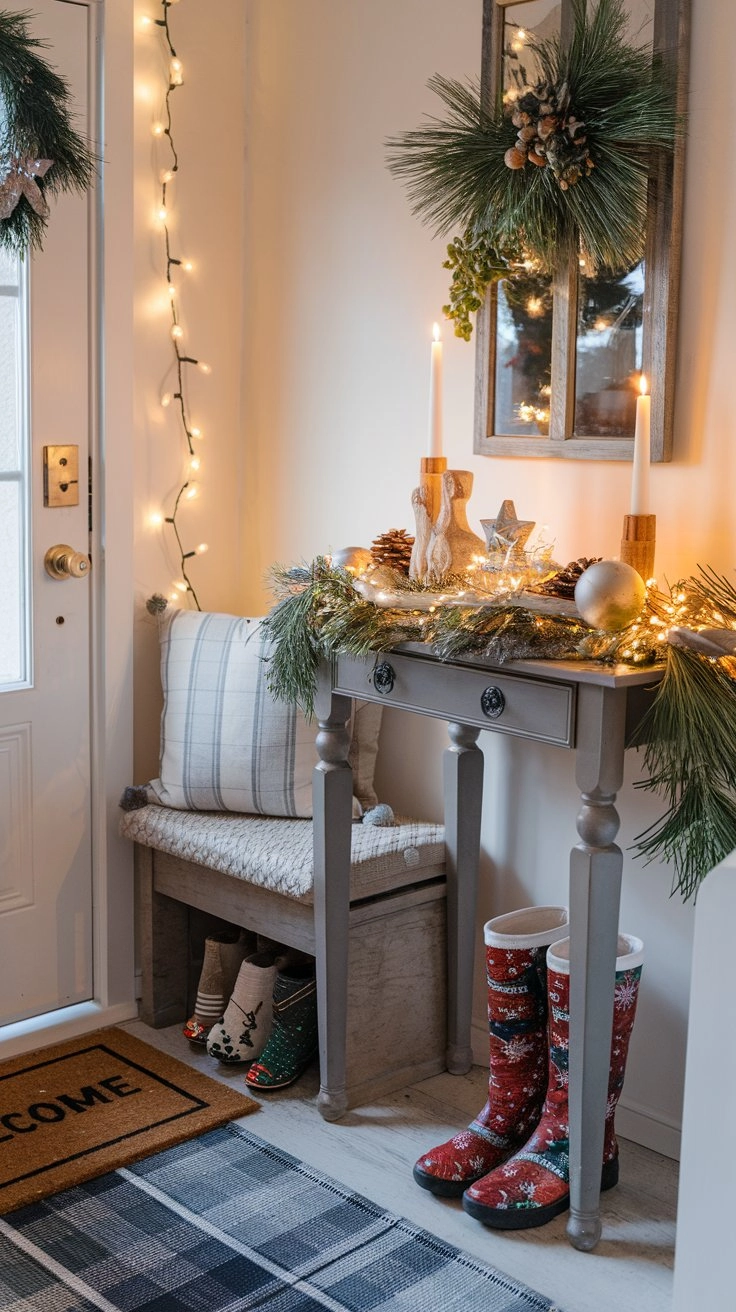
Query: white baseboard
pixel 633 1121
pixel 649 1128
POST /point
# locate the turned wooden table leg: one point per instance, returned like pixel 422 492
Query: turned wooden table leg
pixel 333 796
pixel 463 780
pixel 596 864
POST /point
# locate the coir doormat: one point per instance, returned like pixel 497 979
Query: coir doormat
pixel 79 1109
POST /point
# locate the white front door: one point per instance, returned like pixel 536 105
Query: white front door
pixel 45 809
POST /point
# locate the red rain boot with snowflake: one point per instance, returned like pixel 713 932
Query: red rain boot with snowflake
pixel 533 1185
pixel 516 947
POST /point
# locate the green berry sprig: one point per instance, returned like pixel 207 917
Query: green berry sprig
pixel 475 263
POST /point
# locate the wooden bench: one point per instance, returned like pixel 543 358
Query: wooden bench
pixel 197 869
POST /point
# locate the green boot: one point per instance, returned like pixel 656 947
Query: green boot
pixel 293 1040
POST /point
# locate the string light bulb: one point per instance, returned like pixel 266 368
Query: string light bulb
pixel 177 332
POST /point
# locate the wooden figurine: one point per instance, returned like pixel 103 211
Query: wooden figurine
pixel 454 546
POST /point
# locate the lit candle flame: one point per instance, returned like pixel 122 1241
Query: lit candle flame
pixel 643 385
pixel 436 332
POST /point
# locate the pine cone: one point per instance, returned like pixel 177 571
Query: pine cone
pixel 394 549
pixel 562 584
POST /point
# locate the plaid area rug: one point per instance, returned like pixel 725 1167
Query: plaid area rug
pixel 227 1222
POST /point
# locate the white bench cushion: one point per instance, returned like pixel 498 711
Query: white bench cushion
pixel 277 853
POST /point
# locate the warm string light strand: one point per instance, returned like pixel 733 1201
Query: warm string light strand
pixel 175 264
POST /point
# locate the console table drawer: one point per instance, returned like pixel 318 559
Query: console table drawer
pixel 506 703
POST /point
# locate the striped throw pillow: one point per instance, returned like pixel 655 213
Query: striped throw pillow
pixel 226 743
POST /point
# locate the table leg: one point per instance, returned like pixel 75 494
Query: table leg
pixel 596 864
pixel 463 780
pixel 332 799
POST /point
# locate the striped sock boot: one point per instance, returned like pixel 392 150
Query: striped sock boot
pixel 223 954
pixel 516 947
pixel 533 1186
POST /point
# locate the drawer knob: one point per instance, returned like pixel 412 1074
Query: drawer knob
pixel 383 677
pixel 492 702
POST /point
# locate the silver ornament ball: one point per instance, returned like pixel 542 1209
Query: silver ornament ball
pixel 609 595
pixel 356 559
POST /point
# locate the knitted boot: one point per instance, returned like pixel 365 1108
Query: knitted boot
pixel 293 1041
pixel 516 946
pixel 533 1185
pixel 241 1033
pixel 223 955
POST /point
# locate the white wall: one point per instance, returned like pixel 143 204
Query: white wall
pixel 341 286
pixel 206 219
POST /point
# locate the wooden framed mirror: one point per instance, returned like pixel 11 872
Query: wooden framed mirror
pixel 559 358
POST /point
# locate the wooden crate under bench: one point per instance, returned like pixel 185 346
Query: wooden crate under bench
pixel 396 996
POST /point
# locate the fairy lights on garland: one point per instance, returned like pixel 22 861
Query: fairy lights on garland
pixel 162 130
pixel 687 736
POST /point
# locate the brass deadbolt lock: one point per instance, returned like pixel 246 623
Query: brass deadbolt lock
pixel 63 562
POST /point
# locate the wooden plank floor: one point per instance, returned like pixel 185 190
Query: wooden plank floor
pixel 373 1149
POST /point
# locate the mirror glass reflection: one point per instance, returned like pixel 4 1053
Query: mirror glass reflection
pixel 523 354
pixel 608 357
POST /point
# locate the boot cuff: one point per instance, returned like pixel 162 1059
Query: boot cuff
pixel 629 953
pixel 530 927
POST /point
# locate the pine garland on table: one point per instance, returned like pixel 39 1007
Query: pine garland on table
pixel 687 735
pixel 39 149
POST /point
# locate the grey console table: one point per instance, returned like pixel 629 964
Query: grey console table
pixel 582 706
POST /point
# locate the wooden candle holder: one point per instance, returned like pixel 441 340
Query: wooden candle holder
pixel 638 543
pixel 431 470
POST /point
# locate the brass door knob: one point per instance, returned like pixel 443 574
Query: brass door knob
pixel 63 562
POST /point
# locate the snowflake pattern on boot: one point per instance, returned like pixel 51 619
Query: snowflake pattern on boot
pixel 517 1074
pixel 532 1186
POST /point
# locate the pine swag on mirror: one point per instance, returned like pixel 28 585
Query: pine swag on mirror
pixel 40 151
pixel 553 169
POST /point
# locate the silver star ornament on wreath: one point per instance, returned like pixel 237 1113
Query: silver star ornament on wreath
pixel 20 180
pixel 506 533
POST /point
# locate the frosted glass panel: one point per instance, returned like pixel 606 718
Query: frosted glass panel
pixel 11 599
pixel 9 379
pixel 9 268
pixel 14 661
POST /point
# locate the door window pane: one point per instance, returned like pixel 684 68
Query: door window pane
pixel 9 380
pixel 12 644
pixel 14 544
